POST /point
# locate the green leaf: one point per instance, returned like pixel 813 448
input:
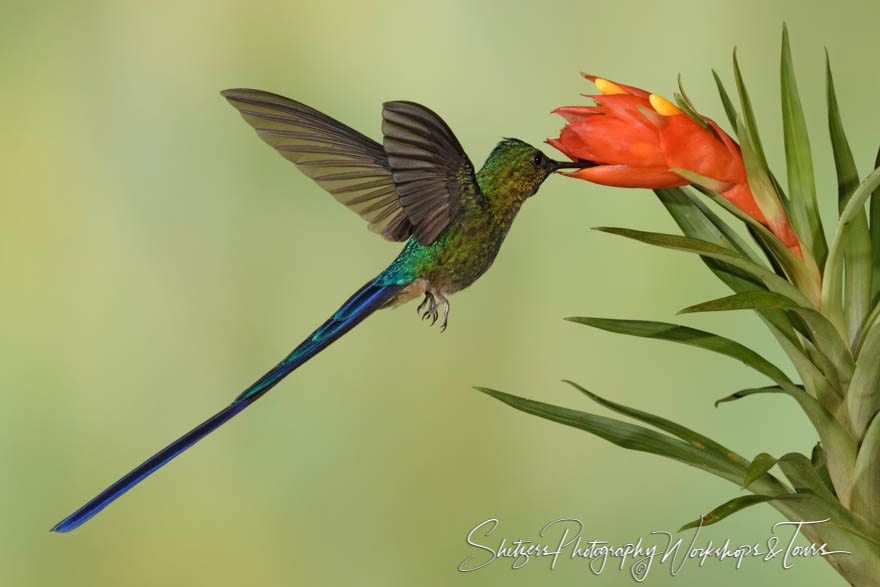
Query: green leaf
pixel 804 273
pixel 814 381
pixel 858 275
pixel 749 300
pixel 839 444
pixel 734 505
pixel 835 353
pixel 817 457
pixel 692 245
pixel 831 284
pixel 695 438
pixel 768 253
pixel 725 100
pixel 875 237
pixel 776 247
pixel 866 475
pixel 761 464
pixel 748 114
pixel 863 396
pixel 623 434
pixel 844 163
pixel 799 161
pixel 688 336
pixel 685 104
pixel 747 392
pixel 803 476
pixel 732 116
pixel 870 322
pixel 697 221
pixel 858 241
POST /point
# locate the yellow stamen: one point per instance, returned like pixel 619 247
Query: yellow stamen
pixel 608 88
pixel 663 106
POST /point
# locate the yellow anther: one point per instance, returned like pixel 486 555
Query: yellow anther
pixel 663 106
pixel 607 88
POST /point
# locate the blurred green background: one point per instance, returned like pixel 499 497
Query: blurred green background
pixel 157 257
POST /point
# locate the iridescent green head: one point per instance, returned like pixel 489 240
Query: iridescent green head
pixel 519 169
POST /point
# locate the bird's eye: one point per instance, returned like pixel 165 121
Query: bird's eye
pixel 537 159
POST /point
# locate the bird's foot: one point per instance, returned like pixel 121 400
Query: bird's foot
pixel 445 303
pixel 432 308
pixel 430 303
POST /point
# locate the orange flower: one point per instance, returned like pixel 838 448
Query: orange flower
pixel 637 138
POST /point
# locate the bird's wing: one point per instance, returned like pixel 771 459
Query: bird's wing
pixel 349 165
pixel 434 178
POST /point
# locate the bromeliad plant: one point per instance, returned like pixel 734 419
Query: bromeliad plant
pixel 819 301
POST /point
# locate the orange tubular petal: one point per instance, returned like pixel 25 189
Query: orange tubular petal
pixel 630 177
pixel 575 113
pixel 626 108
pixel 559 145
pixel 687 145
pixel 608 140
pixel 732 148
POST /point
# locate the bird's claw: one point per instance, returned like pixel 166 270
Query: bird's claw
pixel 429 298
pixel 433 308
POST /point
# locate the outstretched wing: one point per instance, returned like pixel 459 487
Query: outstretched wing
pixel 434 178
pixel 349 165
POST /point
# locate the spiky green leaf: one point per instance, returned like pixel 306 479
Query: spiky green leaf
pixel 775 247
pixel 839 444
pixel 623 434
pixel 820 463
pixel 844 163
pixel 803 273
pixel 692 245
pixel 858 264
pixel 747 392
pixel 734 505
pixel 863 397
pixel 803 476
pixel 760 465
pixel 688 336
pixel 866 474
pixel 832 281
pixel 875 237
pixel 697 221
pixel 749 300
pixel 725 100
pixel 814 380
pixel 748 113
pixel 799 161
pixel 695 438
pixel 684 102
pixel 835 353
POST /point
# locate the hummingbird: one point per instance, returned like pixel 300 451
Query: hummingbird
pixel 417 187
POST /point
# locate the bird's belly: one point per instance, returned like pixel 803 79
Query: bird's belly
pixel 460 266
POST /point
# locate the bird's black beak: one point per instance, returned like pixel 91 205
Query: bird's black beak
pixel 579 164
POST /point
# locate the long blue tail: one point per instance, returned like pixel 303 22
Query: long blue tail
pixel 363 303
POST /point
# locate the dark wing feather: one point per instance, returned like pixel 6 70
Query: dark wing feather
pixel 349 165
pixel 434 178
